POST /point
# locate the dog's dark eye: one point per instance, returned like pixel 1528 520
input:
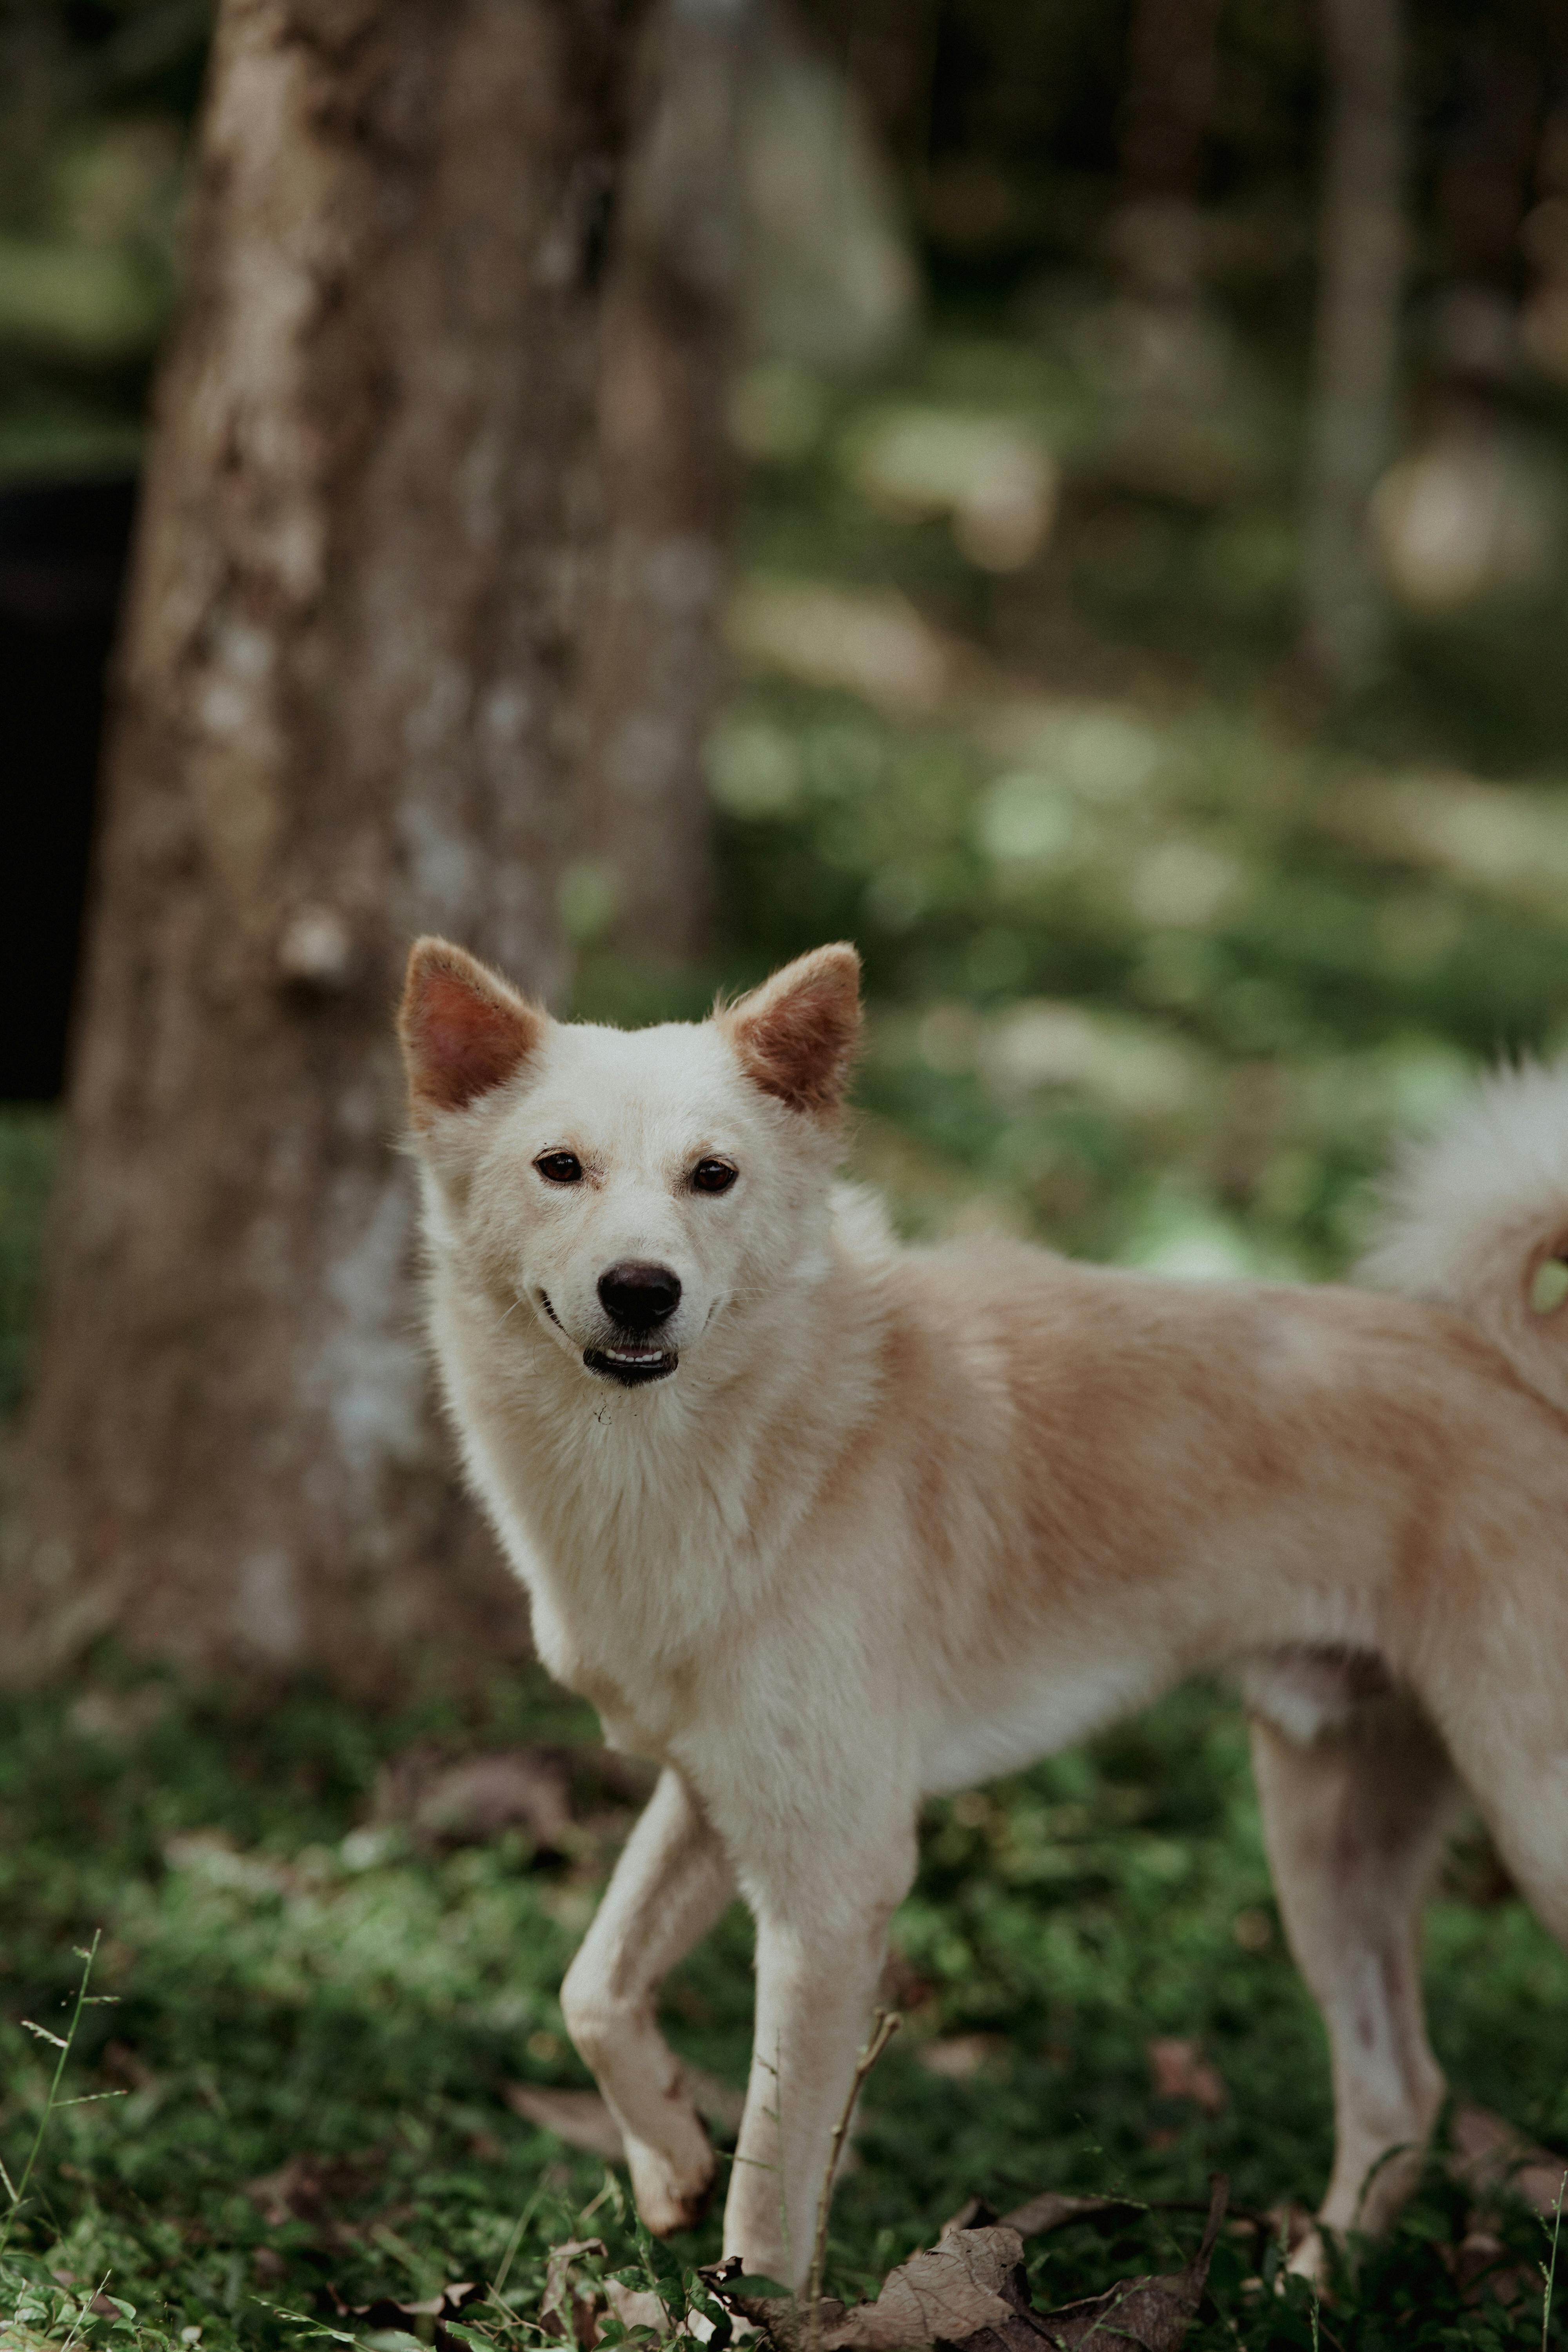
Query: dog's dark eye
pixel 560 1167
pixel 713 1176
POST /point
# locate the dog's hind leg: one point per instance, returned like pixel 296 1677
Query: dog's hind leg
pixel 1357 1791
pixel 672 1881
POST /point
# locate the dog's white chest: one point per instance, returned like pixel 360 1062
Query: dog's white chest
pixel 1057 1705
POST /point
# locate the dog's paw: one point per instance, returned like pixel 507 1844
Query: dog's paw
pixel 672 2196
pixel 1311 2260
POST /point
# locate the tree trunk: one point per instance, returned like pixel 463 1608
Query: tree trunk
pixel 348 710
pixel 645 827
pixel 1356 355
pixel 1165 115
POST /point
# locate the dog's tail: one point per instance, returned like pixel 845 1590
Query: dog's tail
pixel 1476 1219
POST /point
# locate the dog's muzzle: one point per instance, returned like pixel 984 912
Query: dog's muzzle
pixel 639 1298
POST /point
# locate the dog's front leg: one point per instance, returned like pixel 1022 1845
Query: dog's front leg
pixel 670 1885
pixel 818 1961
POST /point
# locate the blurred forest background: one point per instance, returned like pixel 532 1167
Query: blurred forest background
pixel 1079 494
pixel 1165 919
pixel 1074 498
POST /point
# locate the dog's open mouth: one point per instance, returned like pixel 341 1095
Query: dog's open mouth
pixel 631 1367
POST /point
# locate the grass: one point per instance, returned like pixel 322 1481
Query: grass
pixel 1157 957
pixel 313 2021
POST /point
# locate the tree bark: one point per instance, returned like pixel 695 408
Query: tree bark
pixel 348 710
pixel 1356 354
pixel 1165 115
pixel 645 825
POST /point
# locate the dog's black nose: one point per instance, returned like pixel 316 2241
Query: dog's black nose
pixel 639 1296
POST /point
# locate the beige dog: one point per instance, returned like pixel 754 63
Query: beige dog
pixel 826 1525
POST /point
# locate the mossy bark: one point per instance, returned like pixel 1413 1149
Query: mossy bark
pixel 670 304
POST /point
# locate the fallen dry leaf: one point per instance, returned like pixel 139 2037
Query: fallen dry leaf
pixel 971 2285
pixel 473 1800
pixel 388 2311
pixel 580 2119
pixel 307 2186
pixel 970 2290
pixel 716 2101
pixel 1181 2072
pixel 1489 2155
pixel 1155 2313
pixel 567 2308
pixel 1479 2267
pixel 564 1798
pixel 571 2308
pixel 957 2057
pixel 973 2214
pixel 1054 2208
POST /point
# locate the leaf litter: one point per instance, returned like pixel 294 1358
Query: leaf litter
pixel 565 1799
pixel 386 2311
pixel 421 2165
pixel 972 2290
pixel 581 2119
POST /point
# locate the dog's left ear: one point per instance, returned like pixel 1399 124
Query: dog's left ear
pixel 796 1034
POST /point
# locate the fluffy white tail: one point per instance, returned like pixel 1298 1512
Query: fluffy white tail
pixel 1476 1218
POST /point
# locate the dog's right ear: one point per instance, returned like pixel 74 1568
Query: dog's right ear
pixel 463 1030
pixel 797 1035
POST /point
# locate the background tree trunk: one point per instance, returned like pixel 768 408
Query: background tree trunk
pixel 644 822
pixel 348 710
pixel 1356 354
pixel 1171 73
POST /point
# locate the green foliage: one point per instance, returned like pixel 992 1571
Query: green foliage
pixel 1159 956
pixel 94 106
pixel 313 2022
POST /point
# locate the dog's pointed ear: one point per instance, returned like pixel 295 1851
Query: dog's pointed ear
pixel 463 1030
pixel 796 1034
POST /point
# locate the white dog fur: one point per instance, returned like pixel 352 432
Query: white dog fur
pixel 853 1523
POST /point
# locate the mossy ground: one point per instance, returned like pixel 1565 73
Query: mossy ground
pixel 313 2024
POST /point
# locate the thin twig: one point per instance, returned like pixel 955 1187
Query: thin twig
pixel 84 2306
pixel 523 2219
pixel 1548 2270
pixel 54 2099
pixel 884 2025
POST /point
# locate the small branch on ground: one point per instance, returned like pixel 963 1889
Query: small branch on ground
pixel 884 2025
